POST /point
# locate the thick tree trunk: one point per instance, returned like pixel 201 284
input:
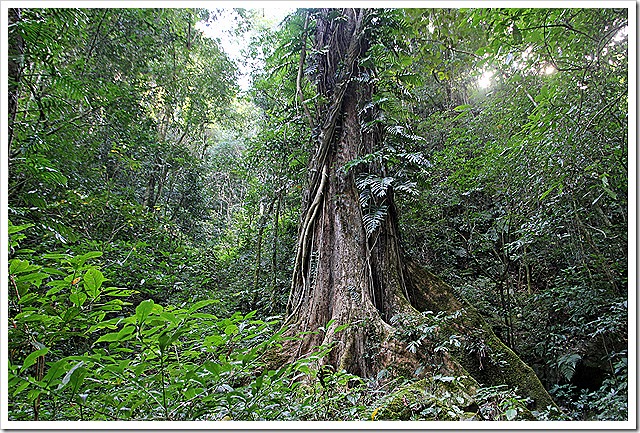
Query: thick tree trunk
pixel 342 274
pixel 337 275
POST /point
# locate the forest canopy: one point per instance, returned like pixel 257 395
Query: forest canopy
pixel 369 214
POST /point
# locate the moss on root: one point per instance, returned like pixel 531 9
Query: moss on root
pixel 448 398
pixel 443 398
pixel 503 366
pixel 490 362
pixel 482 360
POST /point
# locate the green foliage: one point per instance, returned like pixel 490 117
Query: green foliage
pixel 120 131
pixel 51 309
pixel 499 403
pixel 424 335
pixel 91 360
pixel 134 162
pixel 75 353
pixel 517 208
pixel 608 402
pixel 169 363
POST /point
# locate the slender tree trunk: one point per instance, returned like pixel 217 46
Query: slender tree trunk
pixel 262 223
pixel 148 195
pixel 14 67
pixel 274 249
pixel 162 179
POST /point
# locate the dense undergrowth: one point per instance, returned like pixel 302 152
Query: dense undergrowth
pixel 80 350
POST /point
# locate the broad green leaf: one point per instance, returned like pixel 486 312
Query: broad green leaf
pixel 169 317
pixel 78 298
pixel 34 278
pixel 30 316
pixel 91 255
pixel 93 280
pixel 17 266
pixel 55 371
pixel 79 261
pixel 110 324
pixel 231 329
pixel 20 387
pixel 168 337
pixel 77 378
pixel 70 314
pixel 213 340
pixel 113 336
pixel 123 334
pixel 511 414
pixel 304 368
pixel 26 299
pixel 34 393
pixel 118 291
pixel 53 271
pixel 201 304
pixel 212 367
pixel 143 310
pixel 164 340
pixel 462 108
pixel 342 327
pixel 15 229
pixel 33 357
pixel 57 288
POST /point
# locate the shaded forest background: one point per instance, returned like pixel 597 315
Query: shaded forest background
pixel 154 208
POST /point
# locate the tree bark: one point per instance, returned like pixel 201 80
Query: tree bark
pixel 344 275
pixel 332 273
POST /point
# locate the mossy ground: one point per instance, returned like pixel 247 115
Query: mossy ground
pixel 445 398
pixel 448 398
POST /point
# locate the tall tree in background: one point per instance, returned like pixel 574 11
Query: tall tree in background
pixel 349 268
pixel 14 66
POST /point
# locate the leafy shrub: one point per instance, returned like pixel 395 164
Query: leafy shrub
pixel 609 402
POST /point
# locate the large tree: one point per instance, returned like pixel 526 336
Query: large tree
pixel 349 266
